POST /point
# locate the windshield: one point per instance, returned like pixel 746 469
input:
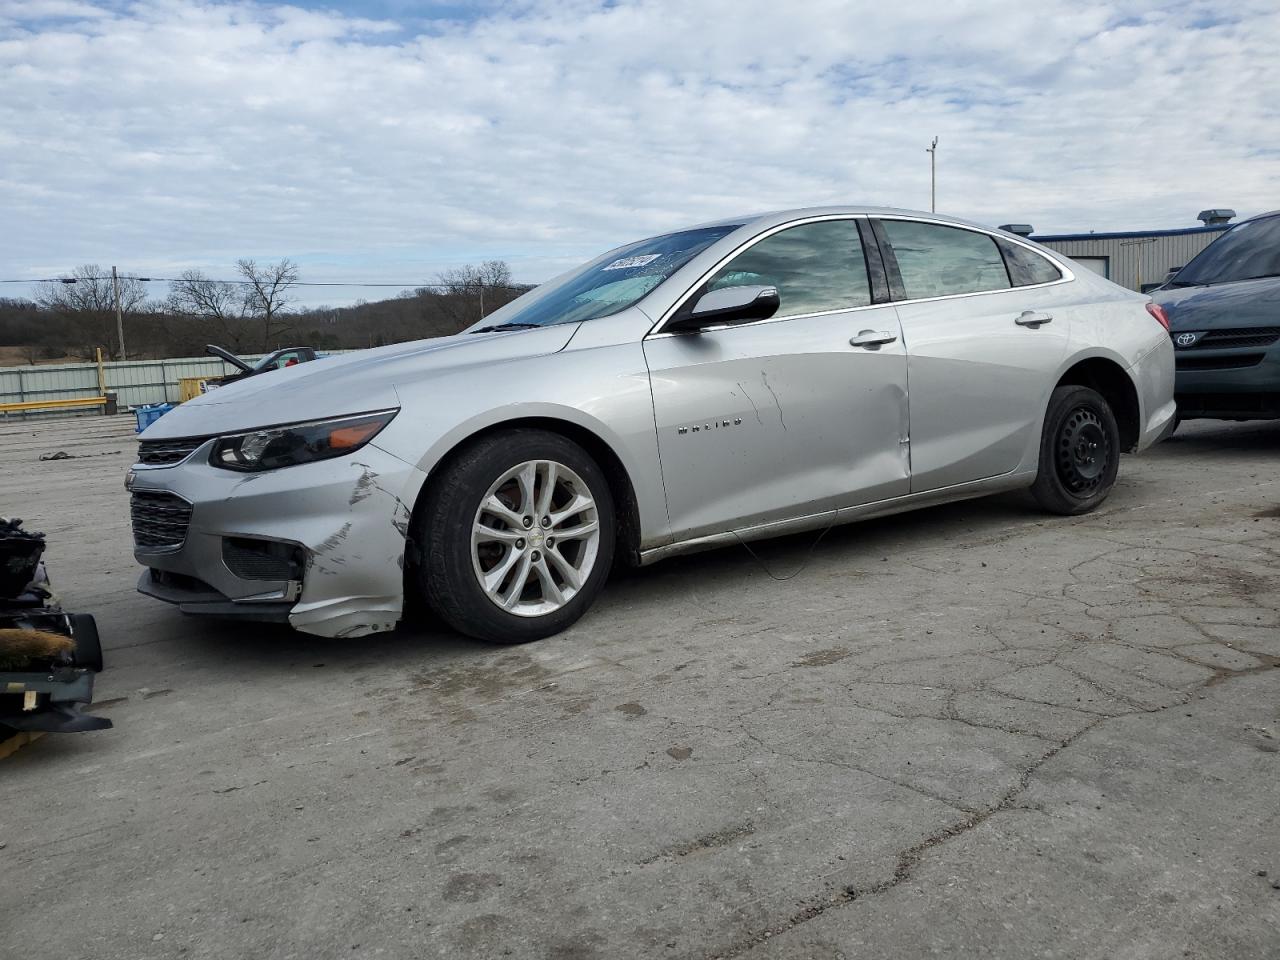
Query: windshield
pixel 616 282
pixel 1248 250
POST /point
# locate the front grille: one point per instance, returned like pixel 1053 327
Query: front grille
pixel 159 519
pixel 1244 337
pixel 1232 362
pixel 166 452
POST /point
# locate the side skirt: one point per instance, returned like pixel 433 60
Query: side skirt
pixel 864 511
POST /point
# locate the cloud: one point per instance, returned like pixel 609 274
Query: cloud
pixel 165 133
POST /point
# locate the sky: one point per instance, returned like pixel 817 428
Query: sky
pixel 387 140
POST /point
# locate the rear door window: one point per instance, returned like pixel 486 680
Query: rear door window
pixel 940 261
pixel 817 267
pixel 1026 266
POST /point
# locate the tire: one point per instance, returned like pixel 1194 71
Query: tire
pixel 539 583
pixel 1079 452
pixel 84 631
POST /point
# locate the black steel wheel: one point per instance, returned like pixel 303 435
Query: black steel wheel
pixel 1079 452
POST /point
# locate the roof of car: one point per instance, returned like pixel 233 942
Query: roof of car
pixel 799 213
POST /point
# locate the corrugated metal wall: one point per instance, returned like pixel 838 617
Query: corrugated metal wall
pixel 1131 255
pixel 137 383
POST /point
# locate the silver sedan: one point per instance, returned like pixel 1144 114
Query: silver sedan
pixel 740 379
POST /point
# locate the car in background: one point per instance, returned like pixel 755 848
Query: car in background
pixel 1223 310
pixel 286 357
pixel 741 379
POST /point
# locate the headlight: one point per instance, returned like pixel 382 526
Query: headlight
pixel 296 443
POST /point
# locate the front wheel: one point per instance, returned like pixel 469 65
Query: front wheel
pixel 1079 452
pixel 517 534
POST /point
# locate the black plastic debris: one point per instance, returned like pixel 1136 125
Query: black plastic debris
pixel 20 552
pixel 48 658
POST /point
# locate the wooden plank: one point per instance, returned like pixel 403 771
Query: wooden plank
pixel 52 404
pixel 16 742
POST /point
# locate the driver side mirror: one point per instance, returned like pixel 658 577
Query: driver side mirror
pixel 727 306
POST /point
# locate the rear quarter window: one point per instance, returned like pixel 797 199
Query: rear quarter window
pixel 1026 266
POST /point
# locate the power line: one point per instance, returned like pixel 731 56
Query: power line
pixel 296 283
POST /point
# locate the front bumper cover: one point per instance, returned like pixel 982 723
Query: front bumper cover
pixel 349 516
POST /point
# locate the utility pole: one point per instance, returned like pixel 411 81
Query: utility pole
pixel 481 299
pixel 115 284
pixel 932 150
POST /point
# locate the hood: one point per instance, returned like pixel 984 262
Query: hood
pixel 1245 303
pixel 350 383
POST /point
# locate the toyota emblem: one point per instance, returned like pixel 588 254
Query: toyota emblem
pixel 1186 339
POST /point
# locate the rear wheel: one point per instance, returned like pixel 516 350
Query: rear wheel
pixel 517 535
pixel 1079 452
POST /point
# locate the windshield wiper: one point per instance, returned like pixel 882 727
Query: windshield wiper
pixel 507 326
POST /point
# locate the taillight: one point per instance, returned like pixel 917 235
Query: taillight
pixel 1157 311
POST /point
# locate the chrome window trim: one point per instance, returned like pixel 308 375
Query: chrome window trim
pixel 1068 275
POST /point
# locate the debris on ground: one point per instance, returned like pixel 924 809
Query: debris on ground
pixel 63 455
pixel 48 658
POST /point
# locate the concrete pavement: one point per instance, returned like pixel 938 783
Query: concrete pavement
pixel 973 730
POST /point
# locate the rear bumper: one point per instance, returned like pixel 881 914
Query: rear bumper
pixel 1153 378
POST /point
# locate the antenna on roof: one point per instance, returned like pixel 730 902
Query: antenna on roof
pixel 932 150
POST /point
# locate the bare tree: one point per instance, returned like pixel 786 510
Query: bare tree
pixel 87 301
pixel 266 296
pixel 467 294
pixel 220 307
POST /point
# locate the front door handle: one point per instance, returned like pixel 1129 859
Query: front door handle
pixel 1032 319
pixel 872 338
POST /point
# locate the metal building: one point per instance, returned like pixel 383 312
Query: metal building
pixel 1137 259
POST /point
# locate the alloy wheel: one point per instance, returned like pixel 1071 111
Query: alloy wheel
pixel 535 538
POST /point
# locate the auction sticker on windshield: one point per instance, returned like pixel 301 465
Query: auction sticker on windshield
pixel 627 263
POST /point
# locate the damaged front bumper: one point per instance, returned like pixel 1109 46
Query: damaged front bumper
pixel 318 545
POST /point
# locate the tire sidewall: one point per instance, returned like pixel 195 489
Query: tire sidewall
pixel 447 574
pixel 1049 489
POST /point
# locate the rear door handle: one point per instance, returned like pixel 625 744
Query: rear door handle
pixel 1031 319
pixel 872 338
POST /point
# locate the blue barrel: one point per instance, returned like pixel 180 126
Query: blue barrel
pixel 149 415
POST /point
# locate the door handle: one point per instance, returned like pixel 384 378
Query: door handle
pixel 1029 318
pixel 872 338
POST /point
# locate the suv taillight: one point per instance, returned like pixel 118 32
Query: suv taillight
pixel 1157 311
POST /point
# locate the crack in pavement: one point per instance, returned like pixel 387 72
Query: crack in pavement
pixel 908 859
